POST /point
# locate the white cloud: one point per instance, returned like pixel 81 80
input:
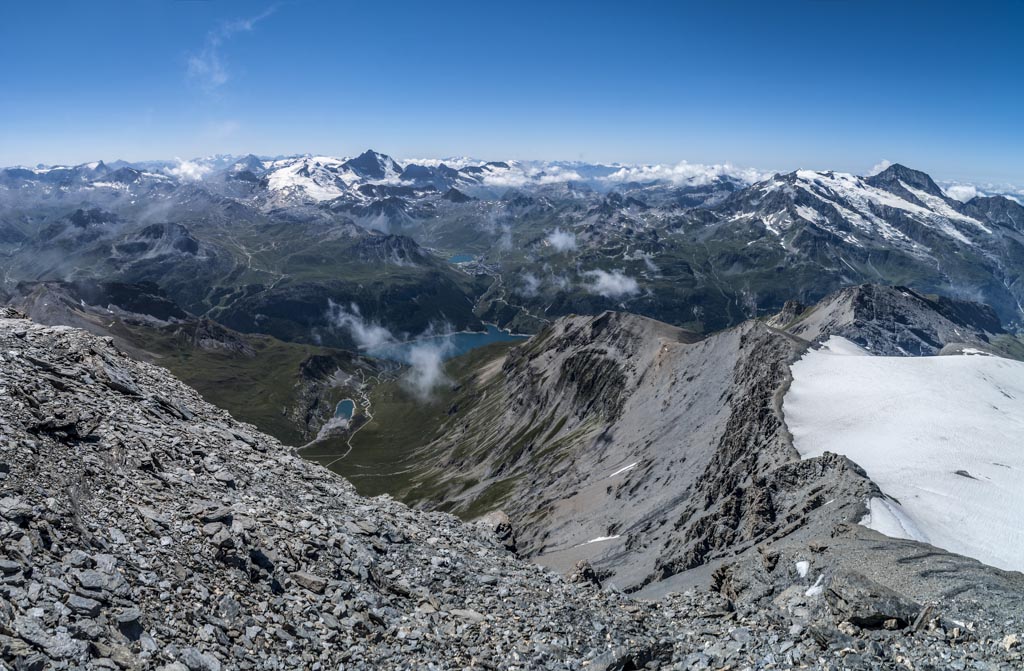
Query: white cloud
pixel 504 243
pixel 455 162
pixel 518 175
pixel 206 67
pixel 695 174
pixel 556 174
pixel 531 285
pixel 879 167
pixel 425 359
pixel 366 335
pixel 506 179
pixel 612 284
pixel 189 170
pixel 562 241
pixel 426 367
pixel 962 192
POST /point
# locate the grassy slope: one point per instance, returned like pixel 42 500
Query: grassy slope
pixel 259 389
pixel 384 456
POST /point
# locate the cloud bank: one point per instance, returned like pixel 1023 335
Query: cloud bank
pixel 693 174
pixel 519 175
pixel 963 192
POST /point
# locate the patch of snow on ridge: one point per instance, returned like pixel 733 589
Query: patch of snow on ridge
pixel 887 517
pixel 802 567
pixel 624 469
pixel 942 208
pixel 942 435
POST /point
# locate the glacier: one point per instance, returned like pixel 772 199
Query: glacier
pixel 942 437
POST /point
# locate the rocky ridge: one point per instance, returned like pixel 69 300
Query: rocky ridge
pixel 143 528
pixel 652 452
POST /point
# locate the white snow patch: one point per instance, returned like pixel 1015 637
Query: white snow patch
pixel 624 469
pixel 942 208
pixel 601 539
pixel 816 588
pixel 888 517
pixel 942 435
pixel 810 214
pixel 837 345
pixel 802 567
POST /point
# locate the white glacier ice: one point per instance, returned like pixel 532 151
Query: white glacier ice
pixel 942 436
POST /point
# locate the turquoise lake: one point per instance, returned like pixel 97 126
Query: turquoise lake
pixel 345 409
pixel 461 258
pixel 449 346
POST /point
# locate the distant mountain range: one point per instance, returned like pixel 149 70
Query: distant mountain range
pixel 262 244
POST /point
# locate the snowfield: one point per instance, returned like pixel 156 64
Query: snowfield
pixel 942 436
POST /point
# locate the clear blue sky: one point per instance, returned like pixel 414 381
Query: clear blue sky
pixel 776 85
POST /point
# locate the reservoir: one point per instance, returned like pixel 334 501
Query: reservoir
pixel 445 346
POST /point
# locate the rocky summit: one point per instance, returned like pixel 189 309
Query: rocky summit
pixel 141 527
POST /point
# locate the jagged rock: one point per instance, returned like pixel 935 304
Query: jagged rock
pixel 865 603
pixel 194 660
pixel 583 572
pixel 313 583
pixel 501 526
pixel 84 606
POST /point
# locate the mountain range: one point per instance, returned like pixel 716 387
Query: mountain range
pixel 270 241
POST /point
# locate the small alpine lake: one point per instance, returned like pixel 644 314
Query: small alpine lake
pixel 345 409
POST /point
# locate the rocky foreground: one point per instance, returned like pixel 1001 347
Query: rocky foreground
pixel 141 527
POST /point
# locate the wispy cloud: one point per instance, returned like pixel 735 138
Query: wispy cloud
pixel 206 67
pixel 879 167
pixel 612 284
pixel 425 356
pixel 562 241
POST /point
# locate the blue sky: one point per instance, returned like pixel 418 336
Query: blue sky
pixel 776 85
